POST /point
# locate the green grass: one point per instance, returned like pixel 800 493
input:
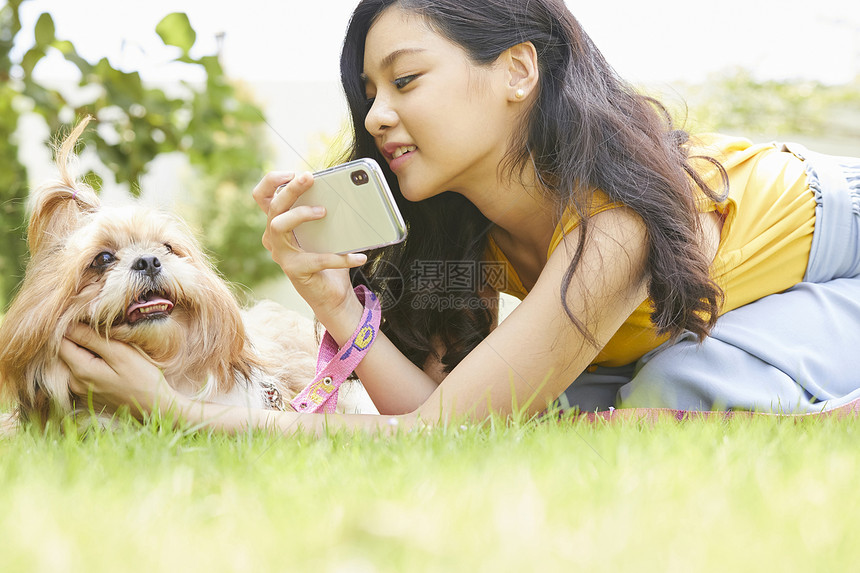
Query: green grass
pixel 701 495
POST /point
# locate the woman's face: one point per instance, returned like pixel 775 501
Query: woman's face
pixel 442 122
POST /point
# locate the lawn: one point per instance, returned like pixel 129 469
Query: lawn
pixel 531 496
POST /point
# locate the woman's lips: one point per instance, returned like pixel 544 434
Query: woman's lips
pixel 398 153
pixel 401 159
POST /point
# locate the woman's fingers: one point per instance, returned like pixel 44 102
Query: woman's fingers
pixel 82 363
pixel 115 373
pixel 280 204
pixel 87 338
pixel 267 187
pixel 111 353
pixel 280 229
pixel 286 222
pixel 316 262
pixel 286 194
pixel 82 350
pixel 283 218
pixel 304 265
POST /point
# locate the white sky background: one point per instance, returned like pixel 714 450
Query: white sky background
pixel 299 40
pixel 279 45
pixel 276 45
pixel 288 41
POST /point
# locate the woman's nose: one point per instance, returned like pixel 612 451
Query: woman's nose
pixel 380 117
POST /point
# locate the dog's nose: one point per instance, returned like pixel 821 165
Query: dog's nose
pixel 148 264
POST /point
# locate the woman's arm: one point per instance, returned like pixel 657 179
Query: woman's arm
pixel 322 280
pixel 405 398
pixel 536 352
pixel 111 374
pixel 525 363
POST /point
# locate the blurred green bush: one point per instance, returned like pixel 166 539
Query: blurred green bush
pixel 216 125
pixel 822 116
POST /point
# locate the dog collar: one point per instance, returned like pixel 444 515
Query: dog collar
pixel 273 397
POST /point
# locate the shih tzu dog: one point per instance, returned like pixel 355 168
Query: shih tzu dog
pixel 139 276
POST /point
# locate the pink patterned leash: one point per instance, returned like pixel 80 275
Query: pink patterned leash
pixel 334 366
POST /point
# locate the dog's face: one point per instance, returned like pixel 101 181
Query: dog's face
pixel 134 274
pixel 141 278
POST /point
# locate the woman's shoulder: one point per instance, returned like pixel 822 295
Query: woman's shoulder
pixel 729 150
pixel 710 143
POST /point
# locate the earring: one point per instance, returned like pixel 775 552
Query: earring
pixel 521 93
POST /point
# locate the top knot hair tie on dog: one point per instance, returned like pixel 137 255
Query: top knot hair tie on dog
pixel 334 366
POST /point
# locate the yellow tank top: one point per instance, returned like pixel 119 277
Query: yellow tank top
pixel 769 217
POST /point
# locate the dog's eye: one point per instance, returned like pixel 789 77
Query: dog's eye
pixel 168 247
pixel 103 259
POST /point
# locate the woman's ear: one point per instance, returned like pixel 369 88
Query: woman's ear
pixel 521 67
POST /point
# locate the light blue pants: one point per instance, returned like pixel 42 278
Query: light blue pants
pixel 795 351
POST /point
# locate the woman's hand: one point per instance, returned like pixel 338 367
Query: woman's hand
pixel 114 373
pixel 322 279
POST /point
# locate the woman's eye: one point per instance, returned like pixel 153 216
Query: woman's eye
pixel 103 259
pixel 402 82
pixel 369 102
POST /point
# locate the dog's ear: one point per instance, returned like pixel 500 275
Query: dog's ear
pixel 57 206
pixel 225 330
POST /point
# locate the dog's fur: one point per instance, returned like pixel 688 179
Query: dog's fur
pixel 138 276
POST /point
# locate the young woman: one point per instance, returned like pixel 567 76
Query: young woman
pixel 655 268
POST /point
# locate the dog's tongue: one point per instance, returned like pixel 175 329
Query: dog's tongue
pixel 150 307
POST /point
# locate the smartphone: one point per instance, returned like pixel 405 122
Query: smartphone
pixel 360 210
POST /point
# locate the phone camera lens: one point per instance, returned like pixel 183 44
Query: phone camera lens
pixel 359 177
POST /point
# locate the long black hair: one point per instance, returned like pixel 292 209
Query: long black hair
pixel 586 130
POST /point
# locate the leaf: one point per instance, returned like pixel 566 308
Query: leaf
pixel 94 180
pixel 175 30
pixel 64 46
pixel 31 58
pixel 45 32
